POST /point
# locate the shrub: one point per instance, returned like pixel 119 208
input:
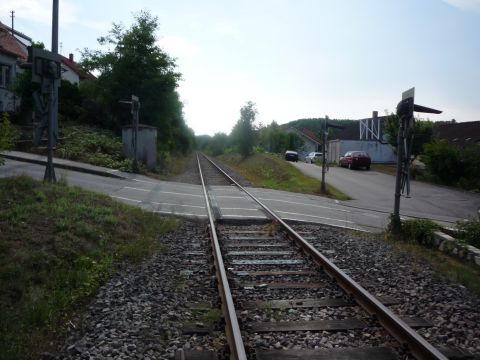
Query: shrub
pixel 419 230
pixel 470 231
pixel 8 134
pixel 443 161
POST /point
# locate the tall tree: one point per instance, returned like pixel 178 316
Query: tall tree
pixel 134 64
pixel 243 133
pixel 422 131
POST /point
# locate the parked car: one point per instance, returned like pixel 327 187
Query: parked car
pixel 355 159
pixel 291 155
pixel 313 156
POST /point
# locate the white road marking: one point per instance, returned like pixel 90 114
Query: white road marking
pixel 186 214
pixel 124 198
pixel 246 209
pixel 193 206
pixel 176 184
pixel 230 197
pixel 314 216
pixel 129 187
pixel 244 216
pixel 304 204
pixel 163 192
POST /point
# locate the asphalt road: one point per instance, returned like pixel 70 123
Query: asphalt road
pixel 229 203
pixel 375 191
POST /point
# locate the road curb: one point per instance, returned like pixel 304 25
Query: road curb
pixel 66 166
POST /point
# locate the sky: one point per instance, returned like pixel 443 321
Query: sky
pixel 293 58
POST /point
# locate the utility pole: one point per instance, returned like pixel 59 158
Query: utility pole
pixel 405 109
pixel 12 16
pixel 53 101
pixel 323 187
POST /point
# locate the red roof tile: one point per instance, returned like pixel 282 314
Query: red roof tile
pixel 9 45
pixel 309 134
pixel 76 69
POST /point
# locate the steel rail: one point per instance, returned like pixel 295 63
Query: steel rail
pixel 232 329
pixel 404 334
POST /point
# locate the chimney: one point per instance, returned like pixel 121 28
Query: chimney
pixel 70 57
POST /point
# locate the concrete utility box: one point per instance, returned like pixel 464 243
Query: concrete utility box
pixel 146 144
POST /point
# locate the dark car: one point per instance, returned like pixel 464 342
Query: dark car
pixel 291 155
pixel 355 159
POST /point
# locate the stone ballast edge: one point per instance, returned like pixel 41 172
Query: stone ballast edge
pixel 447 244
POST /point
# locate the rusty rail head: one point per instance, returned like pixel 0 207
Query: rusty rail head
pixel 396 327
pixel 232 329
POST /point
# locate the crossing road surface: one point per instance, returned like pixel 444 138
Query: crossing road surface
pixel 365 213
pixel 375 191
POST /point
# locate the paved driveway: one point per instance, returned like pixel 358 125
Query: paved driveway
pixel 375 191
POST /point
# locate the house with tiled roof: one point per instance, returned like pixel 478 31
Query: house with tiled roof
pixel 311 142
pixel 13 52
pixel 460 134
pixel 72 72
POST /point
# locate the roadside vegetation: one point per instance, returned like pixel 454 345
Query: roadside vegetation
pixel 58 244
pixel 91 115
pixel 417 238
pixel 8 134
pixel 273 172
pixel 445 164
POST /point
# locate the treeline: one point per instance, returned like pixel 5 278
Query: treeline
pixel 131 64
pixel 247 137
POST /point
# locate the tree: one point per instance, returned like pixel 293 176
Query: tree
pixel 272 138
pixel 243 133
pixel 135 64
pixel 218 144
pixel 422 131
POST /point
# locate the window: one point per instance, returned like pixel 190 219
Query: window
pixel 4 75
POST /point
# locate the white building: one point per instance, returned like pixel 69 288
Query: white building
pixel 366 135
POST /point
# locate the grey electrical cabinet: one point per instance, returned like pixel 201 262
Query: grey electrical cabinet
pixel 146 144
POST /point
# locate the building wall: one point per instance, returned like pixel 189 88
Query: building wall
pixel 69 75
pixel 379 153
pixel 308 146
pixel 146 144
pixel 7 77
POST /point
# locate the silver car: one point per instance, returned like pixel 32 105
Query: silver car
pixel 313 156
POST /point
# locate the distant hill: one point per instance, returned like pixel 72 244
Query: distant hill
pixel 315 125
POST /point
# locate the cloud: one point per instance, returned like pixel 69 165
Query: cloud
pixel 178 46
pixel 467 5
pixel 40 11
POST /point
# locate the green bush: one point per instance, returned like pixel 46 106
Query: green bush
pixel 419 230
pixel 94 146
pixel 8 134
pixel 470 231
pixel 443 161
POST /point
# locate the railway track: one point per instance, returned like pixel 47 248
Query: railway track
pixel 282 299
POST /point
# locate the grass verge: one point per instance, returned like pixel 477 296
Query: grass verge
pixel 58 244
pixel 272 172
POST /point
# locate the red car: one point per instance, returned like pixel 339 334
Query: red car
pixel 355 159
